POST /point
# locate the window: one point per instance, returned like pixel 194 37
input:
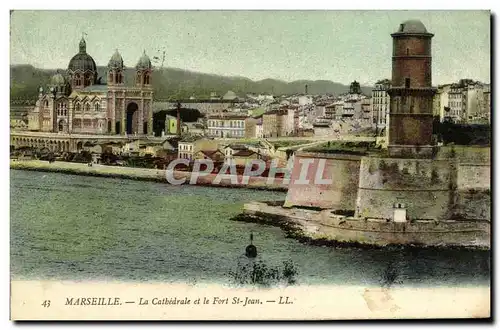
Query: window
pixel 96 106
pixel 87 79
pixel 407 82
pixel 78 107
pixel 87 107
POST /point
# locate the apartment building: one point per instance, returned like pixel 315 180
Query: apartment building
pixel 226 125
pixel 381 103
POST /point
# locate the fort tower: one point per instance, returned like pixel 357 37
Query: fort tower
pixel 411 92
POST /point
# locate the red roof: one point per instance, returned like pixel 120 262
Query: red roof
pixel 243 153
pixel 210 153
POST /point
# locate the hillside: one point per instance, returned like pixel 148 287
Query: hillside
pixel 171 83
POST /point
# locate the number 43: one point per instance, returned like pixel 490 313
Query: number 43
pixel 46 303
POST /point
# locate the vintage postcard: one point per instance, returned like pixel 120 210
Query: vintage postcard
pixel 250 165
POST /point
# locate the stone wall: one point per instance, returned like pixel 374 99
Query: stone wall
pixel 422 185
pixel 326 226
pixel 454 185
pixel 343 170
pixel 473 176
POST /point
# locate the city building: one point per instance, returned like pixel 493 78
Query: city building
pixel 440 103
pixel 380 103
pixel 80 102
pixel 305 100
pixel 251 127
pixel 226 125
pixel 457 103
pixel 276 123
pixel 366 118
pixel 462 102
pixel 189 146
pixel 214 155
pixel 486 105
pixel 170 124
pixel 259 129
pixel 334 111
pixel 243 157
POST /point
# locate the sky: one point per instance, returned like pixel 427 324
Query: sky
pixel 340 46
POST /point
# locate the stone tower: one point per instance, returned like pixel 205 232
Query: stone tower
pixel 116 100
pixel 411 92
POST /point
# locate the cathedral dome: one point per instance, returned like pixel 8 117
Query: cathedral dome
pixel 82 61
pixel 116 61
pixel 412 26
pixel 58 80
pixel 144 62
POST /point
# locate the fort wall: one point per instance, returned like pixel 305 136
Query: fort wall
pixel 455 184
pixel 323 225
pixel 422 185
pixel 342 170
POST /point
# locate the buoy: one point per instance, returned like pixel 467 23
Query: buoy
pixel 251 250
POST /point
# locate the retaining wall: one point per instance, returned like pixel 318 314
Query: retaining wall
pixel 341 193
pixel 324 225
pixel 423 185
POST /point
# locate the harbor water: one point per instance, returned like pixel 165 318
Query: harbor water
pixel 68 227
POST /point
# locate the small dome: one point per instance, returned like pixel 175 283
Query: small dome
pixel 58 80
pixel 116 61
pixel 412 26
pixel 230 95
pixel 144 62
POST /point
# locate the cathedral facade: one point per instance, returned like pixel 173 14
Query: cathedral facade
pixel 78 102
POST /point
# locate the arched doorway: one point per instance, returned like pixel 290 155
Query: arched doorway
pixel 79 146
pixel 61 125
pixel 132 118
pixel 118 127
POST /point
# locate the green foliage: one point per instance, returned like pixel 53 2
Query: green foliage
pixel 354 148
pixel 256 272
pixel 289 143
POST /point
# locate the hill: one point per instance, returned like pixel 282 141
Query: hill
pixel 172 83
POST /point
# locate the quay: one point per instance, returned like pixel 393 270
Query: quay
pixel 144 174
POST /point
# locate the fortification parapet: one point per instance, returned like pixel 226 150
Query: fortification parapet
pixel 342 169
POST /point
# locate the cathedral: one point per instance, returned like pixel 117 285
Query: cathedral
pixel 80 103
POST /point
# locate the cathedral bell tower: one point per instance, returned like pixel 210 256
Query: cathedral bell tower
pixel 411 92
pixel 115 70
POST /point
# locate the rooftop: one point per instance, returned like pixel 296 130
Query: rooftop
pixel 243 153
pixel 412 26
pixel 227 116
